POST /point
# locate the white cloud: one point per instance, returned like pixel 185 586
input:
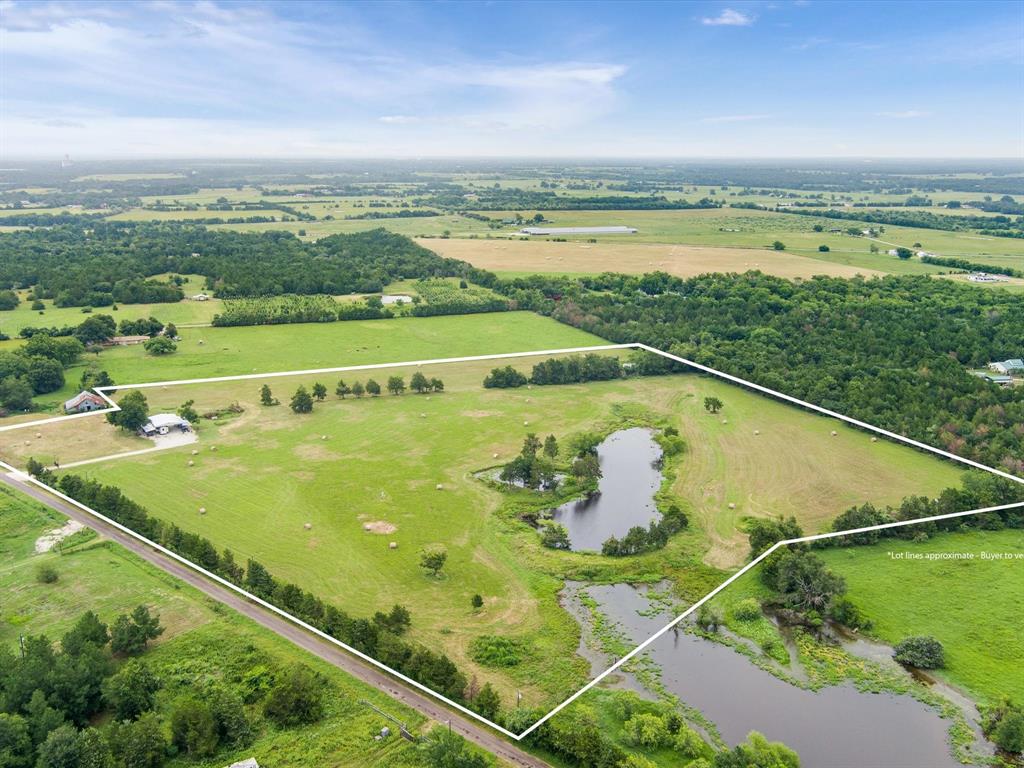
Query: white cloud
pixel 728 18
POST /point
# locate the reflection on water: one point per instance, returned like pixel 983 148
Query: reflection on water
pixel 625 498
pixel 836 727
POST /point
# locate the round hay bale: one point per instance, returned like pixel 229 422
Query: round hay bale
pixel 834 433
pixel 213 447
pixel 732 505
pixel 495 455
pixel 323 437
pixel 439 487
pixel 757 431
pixel 367 526
pixel 191 463
pixel 195 451
pixel 39 434
pixel 308 526
pixel 725 421
pixel 28 442
pixel 526 423
pixel 202 510
pixel 874 439
pixel 423 415
pixel 393 545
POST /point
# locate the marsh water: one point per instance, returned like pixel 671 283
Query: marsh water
pixel 625 497
pixel 836 727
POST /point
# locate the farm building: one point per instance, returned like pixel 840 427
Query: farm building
pixel 984 277
pixel 577 230
pixel 162 423
pixel 1007 366
pixel 127 341
pixel 84 402
pixel 200 296
pixel 249 762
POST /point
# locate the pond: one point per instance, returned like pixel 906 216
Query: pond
pixel 838 726
pixel 630 461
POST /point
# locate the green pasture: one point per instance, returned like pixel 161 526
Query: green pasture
pixel 263 475
pixel 973 607
pixel 201 641
pixel 207 352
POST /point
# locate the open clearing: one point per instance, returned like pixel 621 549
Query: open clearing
pixel 264 474
pixel 635 258
pixel 973 607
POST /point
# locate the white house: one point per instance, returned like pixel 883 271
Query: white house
pixel 163 423
pixel 1007 366
pixel 200 297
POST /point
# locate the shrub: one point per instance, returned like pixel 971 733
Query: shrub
pixel 497 651
pixel 747 609
pixel 296 698
pixel 46 574
pixel 647 730
pixel 922 652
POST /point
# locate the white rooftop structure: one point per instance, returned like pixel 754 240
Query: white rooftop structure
pixel 162 423
pixel 578 230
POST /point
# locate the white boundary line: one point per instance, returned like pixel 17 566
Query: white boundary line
pixel 101 391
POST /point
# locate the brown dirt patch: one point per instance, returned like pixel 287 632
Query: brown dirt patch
pixel 380 527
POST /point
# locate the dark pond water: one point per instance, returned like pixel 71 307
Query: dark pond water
pixel 625 496
pixel 837 727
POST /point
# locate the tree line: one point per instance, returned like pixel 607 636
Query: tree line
pixel 893 351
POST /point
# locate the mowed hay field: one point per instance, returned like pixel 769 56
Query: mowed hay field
pixel 530 256
pixel 261 476
pixel 973 607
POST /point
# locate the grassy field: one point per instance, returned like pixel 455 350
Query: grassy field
pixel 272 472
pixel 206 352
pixel 973 607
pixel 202 642
pixel 180 313
pixel 531 256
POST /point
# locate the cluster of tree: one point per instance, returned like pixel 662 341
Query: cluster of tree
pixel 534 466
pixel 655 536
pixel 49 696
pixel 35 368
pixel 97 263
pixel 144 327
pixel 978 491
pixel 580 737
pixel 496 198
pixel 378 637
pixel 505 378
pixel 893 351
pixel 801 580
pixel 576 369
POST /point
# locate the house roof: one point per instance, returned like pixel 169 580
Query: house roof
pixel 82 397
pixel 159 420
pixel 1014 362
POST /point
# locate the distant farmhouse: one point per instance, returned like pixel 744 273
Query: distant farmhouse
pixel 127 341
pixel 84 402
pixel 577 231
pixel 200 297
pixel 985 277
pixel 1013 365
pixel 163 423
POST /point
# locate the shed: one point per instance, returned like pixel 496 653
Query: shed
pixel 126 341
pixel 162 423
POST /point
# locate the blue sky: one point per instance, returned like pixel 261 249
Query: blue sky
pixel 333 79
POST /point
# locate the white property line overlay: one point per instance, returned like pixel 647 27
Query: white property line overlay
pixel 101 391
